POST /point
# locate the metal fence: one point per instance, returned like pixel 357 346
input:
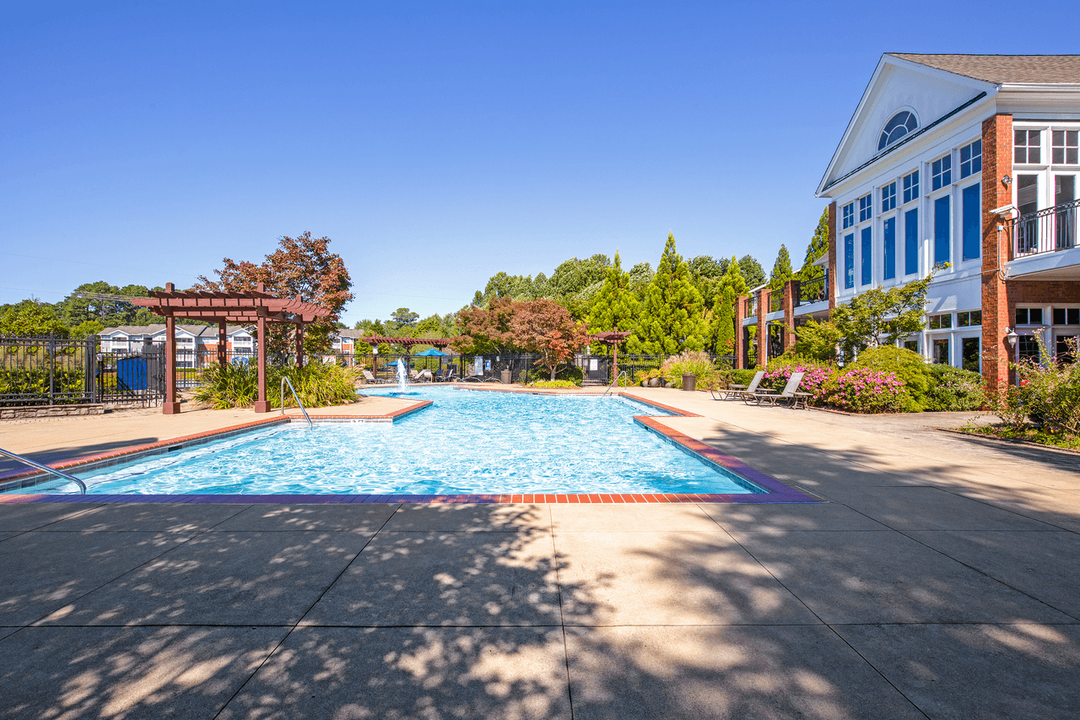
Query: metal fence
pixel 587 369
pixel 61 371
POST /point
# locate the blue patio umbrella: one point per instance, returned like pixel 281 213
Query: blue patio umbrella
pixel 433 352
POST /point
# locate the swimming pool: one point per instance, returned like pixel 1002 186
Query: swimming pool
pixel 466 442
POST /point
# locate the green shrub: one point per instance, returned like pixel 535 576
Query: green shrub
pixel 953 389
pixel 692 361
pixel 741 377
pixel 1050 392
pixel 553 384
pixel 909 367
pixel 317 385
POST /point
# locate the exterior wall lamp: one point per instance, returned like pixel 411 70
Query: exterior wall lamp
pixel 1010 337
pixel 1006 181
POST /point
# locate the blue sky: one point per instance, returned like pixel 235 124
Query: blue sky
pixel 435 143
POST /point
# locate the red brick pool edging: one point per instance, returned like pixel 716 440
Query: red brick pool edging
pixel 775 491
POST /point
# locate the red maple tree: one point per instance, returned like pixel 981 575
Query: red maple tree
pixel 301 267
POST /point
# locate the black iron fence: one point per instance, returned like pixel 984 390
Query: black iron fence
pixel 812 290
pixel 61 371
pixel 521 368
pixel 1045 231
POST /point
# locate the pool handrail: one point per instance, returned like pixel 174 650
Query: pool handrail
pixel 285 379
pixel 613 382
pixel 45 468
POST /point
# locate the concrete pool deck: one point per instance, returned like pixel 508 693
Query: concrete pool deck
pixel 938 578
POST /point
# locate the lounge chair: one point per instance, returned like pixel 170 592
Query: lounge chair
pixel 424 376
pixel 736 393
pixel 790 394
pixel 371 379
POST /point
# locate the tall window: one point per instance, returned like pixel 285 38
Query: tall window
pixel 889 231
pixel 971 159
pixel 1066 147
pixel 849 260
pixel 1026 146
pixel 942 226
pixel 867 255
pixel 941 351
pixel 970 353
pixel 911 241
pixel 866 208
pixel 888 197
pixel 898 126
pixel 941 172
pixel 911 186
pixel 972 221
pixel 849 215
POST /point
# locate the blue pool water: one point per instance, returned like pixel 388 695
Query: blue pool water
pixel 468 442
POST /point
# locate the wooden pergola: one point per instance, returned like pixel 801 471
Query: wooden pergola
pixel 257 308
pixel 611 338
pixel 408 343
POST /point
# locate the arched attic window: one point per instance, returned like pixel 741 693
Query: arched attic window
pixel 898 126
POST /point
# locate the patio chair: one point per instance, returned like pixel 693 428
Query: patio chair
pixel 790 394
pixel 369 378
pixel 733 393
pixel 448 375
pixel 424 376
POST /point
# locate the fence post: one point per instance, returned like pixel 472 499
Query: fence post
pixel 90 377
pixel 52 370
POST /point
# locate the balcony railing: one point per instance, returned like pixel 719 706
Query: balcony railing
pixel 811 290
pixel 1045 231
pixel 750 306
pixel 776 301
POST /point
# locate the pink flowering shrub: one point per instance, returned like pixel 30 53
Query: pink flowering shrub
pixel 815 379
pixel 866 391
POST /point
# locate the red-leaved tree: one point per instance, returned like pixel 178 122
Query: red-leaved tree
pixel 547 328
pixel 302 266
pixel 536 326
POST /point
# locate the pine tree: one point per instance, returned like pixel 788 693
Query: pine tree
pixel 671 318
pixel 751 270
pixel 724 314
pixel 734 279
pixel 615 306
pixel 781 271
pixel 819 244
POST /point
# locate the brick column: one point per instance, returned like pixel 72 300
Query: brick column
pixel 740 342
pixel 791 288
pixel 997 143
pixel 762 327
pixel 831 289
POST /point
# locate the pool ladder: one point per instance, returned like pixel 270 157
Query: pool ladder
pixel 45 468
pixel 285 380
pixel 622 374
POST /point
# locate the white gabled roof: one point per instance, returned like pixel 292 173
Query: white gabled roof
pixel 898 83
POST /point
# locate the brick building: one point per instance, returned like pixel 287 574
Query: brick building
pixel 968 164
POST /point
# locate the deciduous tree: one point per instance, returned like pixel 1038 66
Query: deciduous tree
pixel 547 328
pixel 301 267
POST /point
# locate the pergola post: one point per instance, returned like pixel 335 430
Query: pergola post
pixel 299 345
pixel 172 405
pixel 222 353
pixel 262 405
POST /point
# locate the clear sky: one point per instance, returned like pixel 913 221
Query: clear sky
pixel 436 143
